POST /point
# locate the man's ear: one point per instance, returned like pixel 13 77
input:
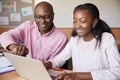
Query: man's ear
pixel 53 16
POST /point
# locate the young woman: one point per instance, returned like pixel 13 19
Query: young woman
pixel 93 49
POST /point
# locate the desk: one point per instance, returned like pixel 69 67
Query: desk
pixel 11 76
pixel 15 76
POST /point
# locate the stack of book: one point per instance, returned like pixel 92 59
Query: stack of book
pixel 5 65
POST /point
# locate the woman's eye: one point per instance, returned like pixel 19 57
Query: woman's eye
pixel 83 21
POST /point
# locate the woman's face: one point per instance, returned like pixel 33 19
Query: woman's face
pixel 83 23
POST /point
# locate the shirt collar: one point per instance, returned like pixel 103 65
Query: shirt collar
pixel 47 34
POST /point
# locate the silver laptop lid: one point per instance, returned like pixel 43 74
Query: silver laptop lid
pixel 28 68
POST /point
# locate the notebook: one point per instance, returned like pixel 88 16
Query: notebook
pixel 5 65
pixel 28 68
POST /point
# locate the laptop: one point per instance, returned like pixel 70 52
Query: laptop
pixel 29 68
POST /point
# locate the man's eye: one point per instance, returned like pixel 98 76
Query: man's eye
pixel 46 17
pixel 37 16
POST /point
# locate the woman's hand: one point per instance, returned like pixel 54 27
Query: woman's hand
pixel 47 65
pixel 74 76
pixel 67 76
pixel 18 49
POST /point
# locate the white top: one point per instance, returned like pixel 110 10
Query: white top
pixel 103 62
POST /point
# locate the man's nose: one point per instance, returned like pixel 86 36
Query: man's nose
pixel 42 19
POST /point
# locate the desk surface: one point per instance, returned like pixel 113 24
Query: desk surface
pixel 11 76
pixel 15 76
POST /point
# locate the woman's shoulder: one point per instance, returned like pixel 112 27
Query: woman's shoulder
pixel 107 38
pixel 107 35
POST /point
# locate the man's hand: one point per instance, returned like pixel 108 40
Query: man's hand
pixel 18 49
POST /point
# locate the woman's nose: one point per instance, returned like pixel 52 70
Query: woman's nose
pixel 78 25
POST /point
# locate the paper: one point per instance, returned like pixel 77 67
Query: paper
pixel 8 6
pixel 4 21
pixel 56 71
pixel 4 62
pixel 27 11
pixel 0 6
pixel 27 1
pixel 15 17
pixel 5 65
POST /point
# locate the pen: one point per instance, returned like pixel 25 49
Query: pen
pixel 6 66
pixel 7 69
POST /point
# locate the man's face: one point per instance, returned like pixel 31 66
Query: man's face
pixel 44 19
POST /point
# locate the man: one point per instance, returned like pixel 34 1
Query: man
pixel 42 41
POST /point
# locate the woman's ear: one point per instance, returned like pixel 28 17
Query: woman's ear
pixel 95 21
